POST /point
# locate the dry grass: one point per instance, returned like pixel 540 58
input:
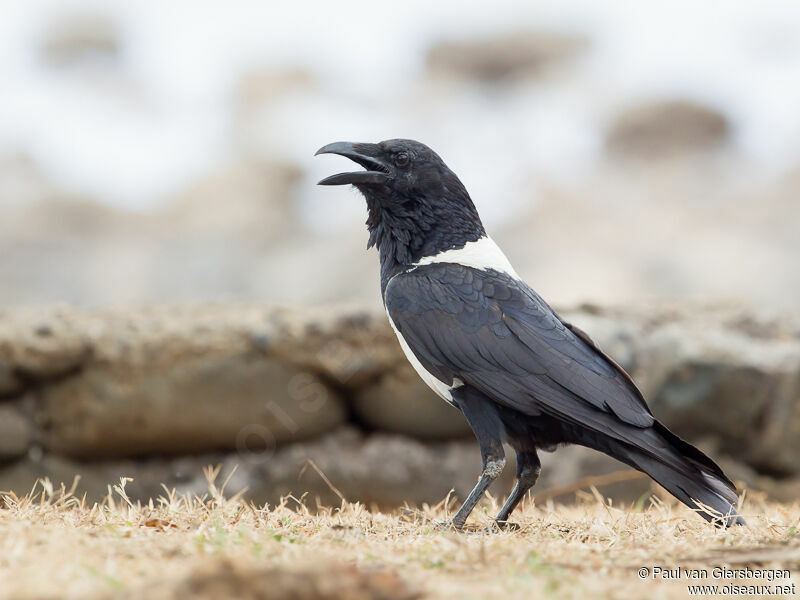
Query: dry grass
pixel 53 545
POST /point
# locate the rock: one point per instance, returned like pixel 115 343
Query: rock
pixel 10 384
pixel 400 402
pixel 149 477
pixel 118 357
pixel 515 55
pixel 21 477
pixel 665 128
pixel 80 37
pixel 387 471
pixel 196 404
pixel 379 470
pixel 38 344
pixel 225 378
pixel 708 378
pixel 16 432
pixel 351 346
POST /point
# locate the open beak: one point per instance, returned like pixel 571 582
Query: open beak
pixel 365 155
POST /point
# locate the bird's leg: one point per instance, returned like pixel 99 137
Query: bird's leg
pixel 491 470
pixel 482 417
pixel 528 467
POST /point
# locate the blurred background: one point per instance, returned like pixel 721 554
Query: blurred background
pixel 161 154
pixel 619 153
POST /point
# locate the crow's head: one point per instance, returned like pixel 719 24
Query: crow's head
pixel 402 167
pixel 417 205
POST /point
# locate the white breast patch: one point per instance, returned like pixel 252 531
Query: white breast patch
pixel 441 388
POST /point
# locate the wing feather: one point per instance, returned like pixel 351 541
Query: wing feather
pixel 494 332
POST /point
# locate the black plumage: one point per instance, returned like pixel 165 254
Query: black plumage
pixel 518 372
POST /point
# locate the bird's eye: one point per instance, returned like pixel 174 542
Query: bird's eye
pixel 401 159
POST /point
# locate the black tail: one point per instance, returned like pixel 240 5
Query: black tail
pixel 690 476
pixel 680 468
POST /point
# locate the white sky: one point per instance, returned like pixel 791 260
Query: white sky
pixel 136 136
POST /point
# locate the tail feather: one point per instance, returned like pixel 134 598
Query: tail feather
pixel 713 498
pixel 693 454
pixel 680 468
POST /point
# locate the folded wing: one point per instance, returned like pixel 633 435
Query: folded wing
pixel 495 333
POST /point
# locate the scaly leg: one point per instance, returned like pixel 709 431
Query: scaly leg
pixel 528 467
pixel 482 417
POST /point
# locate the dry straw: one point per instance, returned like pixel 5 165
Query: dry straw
pixel 55 544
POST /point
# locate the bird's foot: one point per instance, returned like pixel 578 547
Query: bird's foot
pixel 447 526
pixel 504 526
pixel 494 527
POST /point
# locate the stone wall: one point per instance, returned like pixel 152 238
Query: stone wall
pixel 158 393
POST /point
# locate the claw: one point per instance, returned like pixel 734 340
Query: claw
pixel 506 526
pixel 446 526
pixel 494 527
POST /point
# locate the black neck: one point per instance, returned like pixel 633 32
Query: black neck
pixel 405 233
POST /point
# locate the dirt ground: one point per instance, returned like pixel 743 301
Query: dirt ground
pixel 53 545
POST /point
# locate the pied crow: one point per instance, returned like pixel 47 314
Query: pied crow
pixel 488 344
